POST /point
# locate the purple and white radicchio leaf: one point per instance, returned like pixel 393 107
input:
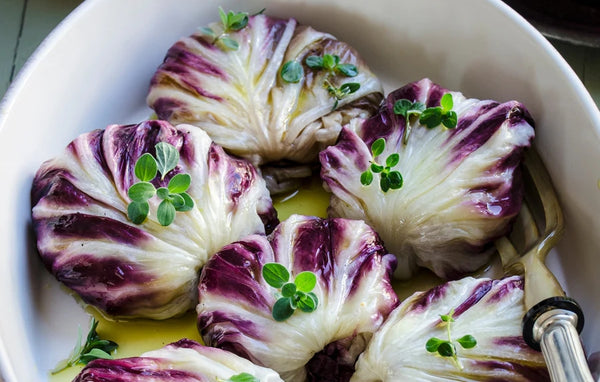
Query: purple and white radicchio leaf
pixel 184 360
pixel 353 289
pixel 462 187
pixel 489 310
pixel 240 99
pixel 85 239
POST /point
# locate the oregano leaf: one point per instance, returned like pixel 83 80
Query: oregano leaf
pixel 188 202
pixel 229 43
pixel 366 178
pixel 446 349
pixel 378 146
pixel 145 168
pixel 446 102
pixel 282 309
pixel 288 290
pixel 179 183
pixel 305 281
pixel 165 214
pixel 467 341
pixel 141 191
pixel 431 117
pixel 292 72
pixel 167 157
pixel 137 212
pixel 314 62
pixel 348 70
pixel 243 377
pixel 276 275
pixel 392 160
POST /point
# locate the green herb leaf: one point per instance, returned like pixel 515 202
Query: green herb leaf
pixel 395 179
pixel 145 168
pixel 223 17
pixel 229 43
pixel 162 193
pixel 376 168
pixel 447 317
pixel 236 21
pixel 288 290
pixel 282 309
pixel 137 212
pixel 308 303
pixel 188 203
pixel 384 182
pixel 467 341
pixel 179 183
pixel 431 117
pixel 402 106
pixel 450 119
pixel 292 72
pixel 446 349
pixel 377 147
pixel 165 213
pixel 243 377
pixel 330 61
pixel 141 191
pixel 392 160
pixel 366 178
pixel 167 158
pixel 305 281
pixel 348 70
pixel 93 348
pixel 177 201
pixel 276 275
pixel 350 87
pixel 314 62
pixel 94 354
pixel 446 102
pixel 208 32
pixel 433 344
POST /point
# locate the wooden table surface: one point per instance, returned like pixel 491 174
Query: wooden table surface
pixel 25 23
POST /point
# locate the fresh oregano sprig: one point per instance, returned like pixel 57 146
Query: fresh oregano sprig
pixel 447 348
pixel 430 117
pixel 242 377
pixel 389 179
pixel 173 197
pixel 294 295
pixel 292 72
pixel 331 63
pixel 93 348
pixel 340 92
pixel 232 22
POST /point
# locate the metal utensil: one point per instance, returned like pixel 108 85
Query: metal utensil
pixel 553 321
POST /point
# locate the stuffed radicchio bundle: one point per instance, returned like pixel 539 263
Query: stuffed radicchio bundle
pixel 353 296
pixel 80 216
pixel 466 330
pixel 184 360
pixel 276 97
pixel 461 187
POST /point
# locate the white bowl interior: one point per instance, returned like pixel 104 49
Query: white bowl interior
pixel 95 67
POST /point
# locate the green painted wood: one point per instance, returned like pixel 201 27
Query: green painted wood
pixel 41 16
pixel 591 74
pixel 575 55
pixel 11 15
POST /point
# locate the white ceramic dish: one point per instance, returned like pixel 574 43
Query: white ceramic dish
pixel 94 69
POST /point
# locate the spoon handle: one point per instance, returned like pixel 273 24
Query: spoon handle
pixel 552 326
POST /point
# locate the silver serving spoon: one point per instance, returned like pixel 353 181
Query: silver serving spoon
pixel 553 321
